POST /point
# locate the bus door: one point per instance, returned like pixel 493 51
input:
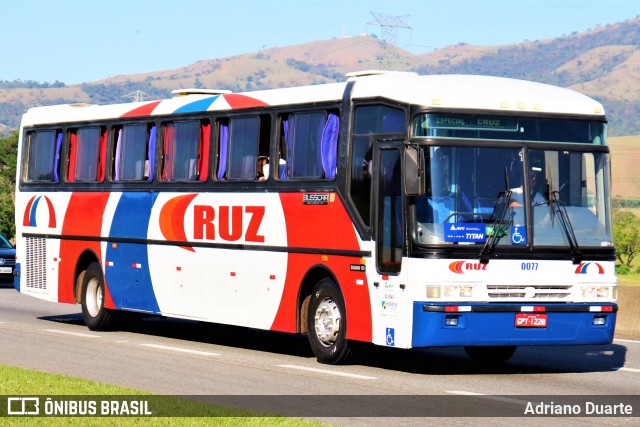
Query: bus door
pixel 391 325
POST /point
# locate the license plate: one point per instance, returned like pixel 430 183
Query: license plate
pixel 5 270
pixel 530 320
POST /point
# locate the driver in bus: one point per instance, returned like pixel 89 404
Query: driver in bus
pixel 535 182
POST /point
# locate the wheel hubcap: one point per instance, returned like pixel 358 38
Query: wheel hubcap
pixel 94 297
pixel 327 322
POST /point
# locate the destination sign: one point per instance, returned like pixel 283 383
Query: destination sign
pixel 472 122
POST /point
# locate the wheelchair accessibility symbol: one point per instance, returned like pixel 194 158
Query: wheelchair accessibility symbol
pixel 518 235
pixel 391 340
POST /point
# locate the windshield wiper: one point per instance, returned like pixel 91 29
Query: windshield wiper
pixel 558 209
pixel 497 228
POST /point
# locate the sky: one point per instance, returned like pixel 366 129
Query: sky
pixel 87 40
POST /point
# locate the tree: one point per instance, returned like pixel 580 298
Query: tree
pixel 8 158
pixel 626 236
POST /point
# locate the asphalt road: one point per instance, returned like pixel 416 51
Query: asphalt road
pixel 187 358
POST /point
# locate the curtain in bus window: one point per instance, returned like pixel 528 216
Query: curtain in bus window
pixel 73 140
pixel 329 146
pixel 205 139
pixel 118 156
pixel 224 146
pixel 288 147
pixel 150 166
pixel 56 160
pixel 87 154
pixel 101 154
pixel 167 167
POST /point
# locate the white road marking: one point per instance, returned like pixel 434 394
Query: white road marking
pixel 486 396
pixel 621 340
pixel 637 371
pixel 75 334
pixel 181 350
pixel 327 372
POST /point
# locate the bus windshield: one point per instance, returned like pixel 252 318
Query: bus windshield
pixel 476 193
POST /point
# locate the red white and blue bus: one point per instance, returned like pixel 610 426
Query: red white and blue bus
pixel 395 209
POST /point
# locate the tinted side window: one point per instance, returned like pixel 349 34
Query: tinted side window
pixel 379 119
pixel 43 156
pixel 309 145
pixel 243 158
pixel 86 154
pixel 185 149
pixel 131 159
pixel 369 121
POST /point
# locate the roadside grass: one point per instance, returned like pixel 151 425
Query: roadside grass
pixel 631 279
pixel 20 382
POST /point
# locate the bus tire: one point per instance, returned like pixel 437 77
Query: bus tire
pixel 96 316
pixel 491 355
pixel 326 324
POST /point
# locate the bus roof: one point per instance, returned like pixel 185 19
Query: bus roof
pixel 447 92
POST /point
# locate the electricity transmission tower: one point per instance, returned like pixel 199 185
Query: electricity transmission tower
pixel 389 25
pixel 137 95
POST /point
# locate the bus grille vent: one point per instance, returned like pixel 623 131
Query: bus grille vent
pixel 35 263
pixel 528 292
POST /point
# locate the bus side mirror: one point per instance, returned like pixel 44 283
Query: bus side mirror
pixel 414 171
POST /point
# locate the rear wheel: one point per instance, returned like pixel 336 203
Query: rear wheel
pixel 326 323
pixel 96 316
pixel 491 354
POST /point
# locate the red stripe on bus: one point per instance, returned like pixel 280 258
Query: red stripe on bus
pixel 329 227
pixel 144 110
pixel 83 217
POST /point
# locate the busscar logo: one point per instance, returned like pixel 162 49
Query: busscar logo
pixel 460 267
pixel 315 199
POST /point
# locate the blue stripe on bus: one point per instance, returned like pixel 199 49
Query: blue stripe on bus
pixel 32 214
pixel 197 106
pixel 127 264
pixel 477 328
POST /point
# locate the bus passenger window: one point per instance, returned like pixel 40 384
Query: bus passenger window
pixel 263 168
pixel 134 152
pixel 309 145
pixel 185 151
pixel 242 148
pixel 86 154
pixel 43 162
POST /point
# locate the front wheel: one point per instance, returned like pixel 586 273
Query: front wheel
pixel 96 316
pixel 327 324
pixel 491 354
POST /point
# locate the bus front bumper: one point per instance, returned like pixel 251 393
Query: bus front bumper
pixel 498 324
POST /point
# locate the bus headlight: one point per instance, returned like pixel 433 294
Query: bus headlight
pixel 597 291
pixel 449 291
pixel 434 291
